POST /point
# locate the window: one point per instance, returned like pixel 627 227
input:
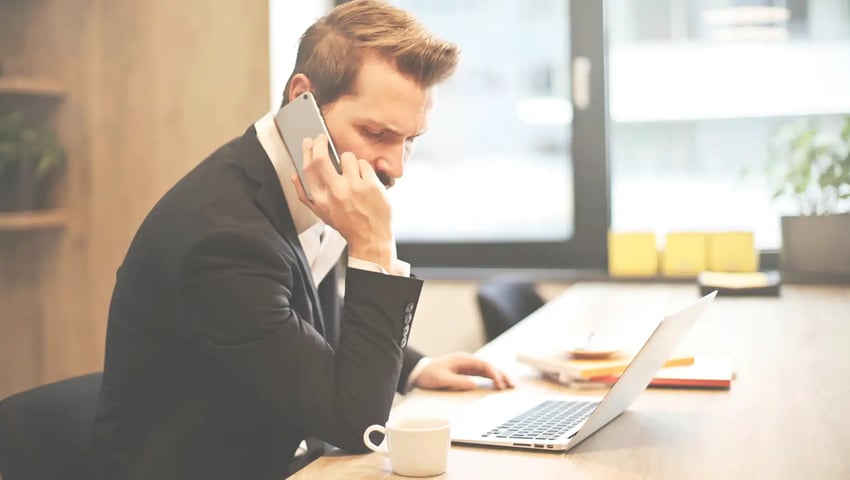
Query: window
pixel 509 174
pixel 495 164
pixel 493 181
pixel 697 90
pixel 513 174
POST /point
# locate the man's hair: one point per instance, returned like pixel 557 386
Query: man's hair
pixel 332 49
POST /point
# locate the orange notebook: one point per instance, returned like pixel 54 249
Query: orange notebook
pixel 707 371
pixel 567 367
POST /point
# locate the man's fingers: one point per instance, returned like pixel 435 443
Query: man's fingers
pixel 350 167
pixel 320 160
pixel 459 382
pixel 508 382
pixel 456 371
pixel 367 173
pixel 302 195
pixel 306 153
pixel 476 366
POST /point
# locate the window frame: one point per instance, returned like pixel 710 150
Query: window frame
pixel 588 247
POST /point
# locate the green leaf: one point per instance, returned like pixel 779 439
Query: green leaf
pixel 828 178
pixel 804 140
pixel 20 143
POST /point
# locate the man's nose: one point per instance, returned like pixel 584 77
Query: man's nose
pixel 392 162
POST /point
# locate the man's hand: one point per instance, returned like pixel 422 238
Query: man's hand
pixel 450 372
pixel 355 203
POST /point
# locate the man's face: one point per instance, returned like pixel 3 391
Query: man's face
pixel 380 119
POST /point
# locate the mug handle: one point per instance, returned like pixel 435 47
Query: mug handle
pixel 368 441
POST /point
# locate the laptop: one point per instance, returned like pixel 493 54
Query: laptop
pixel 559 423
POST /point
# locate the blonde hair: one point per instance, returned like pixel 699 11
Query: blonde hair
pixel 332 49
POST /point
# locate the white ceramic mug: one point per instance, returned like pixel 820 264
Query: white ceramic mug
pixel 417 447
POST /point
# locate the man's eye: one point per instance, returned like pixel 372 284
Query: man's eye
pixel 375 135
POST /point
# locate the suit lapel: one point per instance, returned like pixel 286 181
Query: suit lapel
pixel 272 203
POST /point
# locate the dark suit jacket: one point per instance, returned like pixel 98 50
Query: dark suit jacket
pixel 221 354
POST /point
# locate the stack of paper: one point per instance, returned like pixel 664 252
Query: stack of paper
pixel 754 283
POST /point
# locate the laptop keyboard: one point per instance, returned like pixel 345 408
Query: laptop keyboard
pixel 546 421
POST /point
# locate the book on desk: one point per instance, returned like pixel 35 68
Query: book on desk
pixel 707 371
pixel 683 371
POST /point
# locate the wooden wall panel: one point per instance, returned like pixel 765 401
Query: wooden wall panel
pixel 20 340
pixel 180 78
pixel 31 263
pixel 60 34
pixel 153 87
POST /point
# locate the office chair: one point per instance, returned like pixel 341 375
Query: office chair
pixel 505 301
pixel 45 433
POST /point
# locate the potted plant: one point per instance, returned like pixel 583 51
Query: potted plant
pixel 29 159
pixel 809 173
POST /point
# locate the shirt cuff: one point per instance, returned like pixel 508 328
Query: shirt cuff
pixel 417 370
pixel 399 268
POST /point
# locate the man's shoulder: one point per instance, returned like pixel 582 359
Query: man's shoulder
pixel 214 201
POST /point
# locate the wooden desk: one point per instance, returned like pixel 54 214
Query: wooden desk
pixel 786 416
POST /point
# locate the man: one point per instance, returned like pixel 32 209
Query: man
pixel 222 354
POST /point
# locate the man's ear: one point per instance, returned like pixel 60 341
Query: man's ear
pixel 299 84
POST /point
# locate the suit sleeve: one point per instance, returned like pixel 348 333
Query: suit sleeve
pixel 410 358
pixel 236 290
pixel 331 301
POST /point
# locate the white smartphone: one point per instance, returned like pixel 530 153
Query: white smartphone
pixel 297 120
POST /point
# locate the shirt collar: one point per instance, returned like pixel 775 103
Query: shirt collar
pixel 275 149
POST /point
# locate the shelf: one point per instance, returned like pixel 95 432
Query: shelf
pixel 36 220
pixel 35 86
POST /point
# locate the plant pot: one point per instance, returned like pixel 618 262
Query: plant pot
pixel 816 248
pixel 18 189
